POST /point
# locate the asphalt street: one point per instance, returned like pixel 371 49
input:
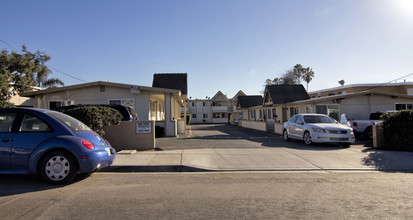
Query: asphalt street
pixel 218 195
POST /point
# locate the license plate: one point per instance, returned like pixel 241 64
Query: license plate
pixel 108 150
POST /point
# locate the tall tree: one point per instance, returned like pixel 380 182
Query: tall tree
pixel 289 78
pixel 308 75
pixel 18 71
pixel 298 72
pixel 41 79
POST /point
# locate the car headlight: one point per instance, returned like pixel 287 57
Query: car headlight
pixel 320 130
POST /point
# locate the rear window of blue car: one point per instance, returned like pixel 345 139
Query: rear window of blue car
pixel 72 123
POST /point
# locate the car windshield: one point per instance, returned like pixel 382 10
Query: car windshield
pixel 132 112
pixel 317 119
pixel 72 123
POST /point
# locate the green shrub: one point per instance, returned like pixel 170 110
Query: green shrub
pixel 6 104
pixel 398 130
pixel 96 117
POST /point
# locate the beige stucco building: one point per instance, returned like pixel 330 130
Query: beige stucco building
pixel 156 104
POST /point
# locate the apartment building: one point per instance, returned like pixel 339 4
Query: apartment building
pixel 217 109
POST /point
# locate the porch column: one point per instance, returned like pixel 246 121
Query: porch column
pixel 170 123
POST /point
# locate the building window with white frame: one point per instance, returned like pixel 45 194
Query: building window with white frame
pixel 58 103
pixel 403 106
pixel 125 102
pixel 330 110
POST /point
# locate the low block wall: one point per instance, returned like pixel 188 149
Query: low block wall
pixel 181 126
pixel 131 135
pixel 278 128
pixel 256 125
pixel 378 136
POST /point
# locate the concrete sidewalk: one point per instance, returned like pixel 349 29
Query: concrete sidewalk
pixel 355 158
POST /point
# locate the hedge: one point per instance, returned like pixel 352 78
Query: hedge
pixel 96 117
pixel 6 104
pixel 398 130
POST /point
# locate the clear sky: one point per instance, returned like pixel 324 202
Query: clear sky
pixel 226 45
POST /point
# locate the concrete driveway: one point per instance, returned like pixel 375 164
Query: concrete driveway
pixel 231 148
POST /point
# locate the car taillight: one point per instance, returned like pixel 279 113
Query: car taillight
pixel 354 124
pixel 88 144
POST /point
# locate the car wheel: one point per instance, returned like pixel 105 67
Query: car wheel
pixel 285 135
pixel 368 133
pixel 58 167
pixel 307 138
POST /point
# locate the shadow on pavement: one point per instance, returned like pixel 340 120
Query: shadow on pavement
pixel 13 184
pixel 389 161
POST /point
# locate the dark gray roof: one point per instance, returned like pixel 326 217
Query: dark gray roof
pixel 176 81
pixel 249 101
pixel 282 94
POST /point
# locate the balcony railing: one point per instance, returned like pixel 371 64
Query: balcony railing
pixel 219 108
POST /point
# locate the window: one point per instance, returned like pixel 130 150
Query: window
pixel 193 104
pixel 216 115
pixel 193 115
pixel 203 103
pixel 71 123
pixel 293 119
pixel 299 120
pixel 6 121
pixel 32 123
pixel 330 110
pixel 205 115
pixel 54 104
pixel 403 106
pixel 125 102
pixel 308 109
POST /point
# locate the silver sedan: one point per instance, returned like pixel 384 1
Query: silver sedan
pixel 317 128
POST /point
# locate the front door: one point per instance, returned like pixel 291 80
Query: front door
pixel 6 139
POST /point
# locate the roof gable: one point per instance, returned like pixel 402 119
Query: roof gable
pixel 239 93
pixel 219 97
pixel 249 101
pixel 177 81
pixel 282 94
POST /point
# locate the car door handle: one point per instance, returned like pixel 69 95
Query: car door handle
pixel 6 139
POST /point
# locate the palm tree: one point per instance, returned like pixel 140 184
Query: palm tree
pixel 307 75
pixel 298 72
pixel 41 79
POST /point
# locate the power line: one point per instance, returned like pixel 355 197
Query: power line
pixel 66 74
pixel 4 42
pixel 383 84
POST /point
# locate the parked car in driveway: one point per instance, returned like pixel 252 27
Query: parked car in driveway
pixel 317 128
pixel 50 144
pixel 365 127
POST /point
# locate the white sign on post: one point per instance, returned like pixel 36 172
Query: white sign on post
pixel 135 89
pixel 143 128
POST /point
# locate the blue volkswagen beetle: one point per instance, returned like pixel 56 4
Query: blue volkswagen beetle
pixel 50 144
